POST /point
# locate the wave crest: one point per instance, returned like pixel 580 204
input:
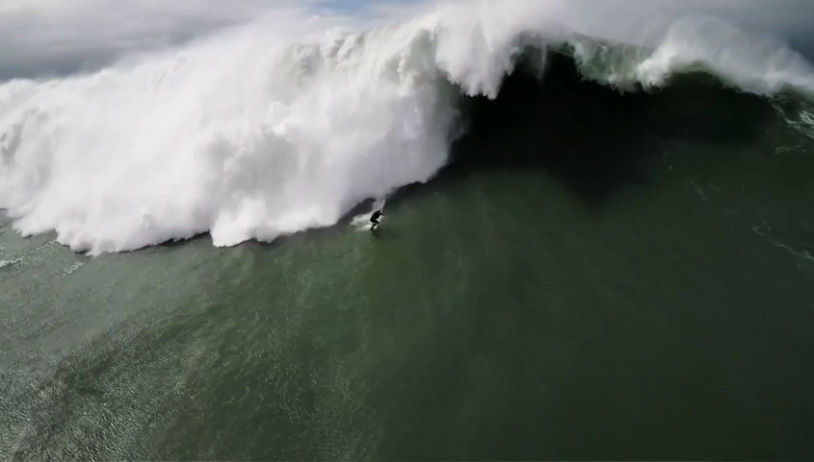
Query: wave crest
pixel 253 135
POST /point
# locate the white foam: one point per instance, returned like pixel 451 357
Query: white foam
pixel 13 261
pixel 287 123
pixel 757 64
pixel 73 268
pixel 246 136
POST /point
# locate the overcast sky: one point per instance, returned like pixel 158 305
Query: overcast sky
pixel 64 36
pixel 58 37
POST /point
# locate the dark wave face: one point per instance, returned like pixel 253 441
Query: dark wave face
pixel 596 138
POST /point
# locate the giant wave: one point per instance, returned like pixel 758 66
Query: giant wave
pixel 261 130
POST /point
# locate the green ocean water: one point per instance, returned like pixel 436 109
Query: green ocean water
pixel 596 275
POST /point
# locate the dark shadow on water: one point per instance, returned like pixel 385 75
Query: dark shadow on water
pixel 593 139
pixel 385 232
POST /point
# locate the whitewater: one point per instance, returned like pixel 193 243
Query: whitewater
pixel 287 120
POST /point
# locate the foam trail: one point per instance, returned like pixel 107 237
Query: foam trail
pixel 278 126
pixel 9 263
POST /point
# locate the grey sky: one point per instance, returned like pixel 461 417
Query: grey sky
pixel 64 36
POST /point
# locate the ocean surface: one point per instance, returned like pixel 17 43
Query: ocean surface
pixel 598 241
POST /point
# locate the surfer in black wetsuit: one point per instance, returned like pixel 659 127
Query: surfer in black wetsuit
pixel 375 219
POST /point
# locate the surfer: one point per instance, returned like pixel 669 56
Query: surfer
pixel 374 219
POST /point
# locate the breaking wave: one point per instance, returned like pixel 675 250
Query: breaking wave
pixel 255 133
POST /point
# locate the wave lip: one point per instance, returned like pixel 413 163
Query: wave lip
pixel 253 134
pixel 754 64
